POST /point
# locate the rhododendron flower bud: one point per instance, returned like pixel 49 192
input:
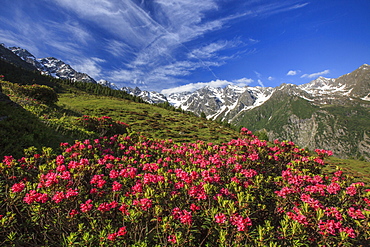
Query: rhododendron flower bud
pixel 112 236
pixel 172 238
pixel 122 231
pixel 194 207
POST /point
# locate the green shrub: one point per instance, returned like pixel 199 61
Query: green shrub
pixel 41 93
pixel 129 190
pixel 103 126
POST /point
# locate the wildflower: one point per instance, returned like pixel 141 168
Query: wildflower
pixel 87 206
pixel 104 207
pixel 298 216
pixel 351 190
pixel 194 207
pixel 116 186
pixel 144 203
pixel 333 188
pixel 31 197
pixel 71 192
pixel 172 238
pixel 73 212
pixel 58 196
pixel 186 217
pixel 60 160
pixel 329 227
pixel 112 236
pixel 333 211
pixel 122 231
pixel 220 218
pixel 350 232
pixel 240 222
pixel 124 210
pixel 18 187
pixel 355 213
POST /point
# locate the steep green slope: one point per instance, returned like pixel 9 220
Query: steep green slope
pixel 26 122
pixel 343 129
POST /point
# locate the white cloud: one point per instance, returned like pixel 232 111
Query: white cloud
pixel 270 78
pixel 260 83
pixel 194 86
pixel 243 82
pixel 118 48
pixel 293 72
pixel 259 75
pixel 157 40
pixel 89 66
pixel 313 75
pixel 210 50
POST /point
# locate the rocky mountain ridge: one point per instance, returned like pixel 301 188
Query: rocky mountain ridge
pixel 52 66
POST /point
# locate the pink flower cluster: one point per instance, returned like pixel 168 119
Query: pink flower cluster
pixel 174 190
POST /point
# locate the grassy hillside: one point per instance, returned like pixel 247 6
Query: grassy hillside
pixel 28 122
pixel 152 120
pixel 25 122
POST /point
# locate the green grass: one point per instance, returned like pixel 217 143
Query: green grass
pixel 359 170
pixel 154 121
pixel 20 129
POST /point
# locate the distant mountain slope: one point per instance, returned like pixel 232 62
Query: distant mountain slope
pixel 324 113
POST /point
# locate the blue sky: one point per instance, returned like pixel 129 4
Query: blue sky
pixel 176 45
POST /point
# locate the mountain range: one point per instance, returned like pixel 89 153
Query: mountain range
pixel 325 113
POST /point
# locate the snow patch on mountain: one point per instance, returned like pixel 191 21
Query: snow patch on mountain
pixel 150 97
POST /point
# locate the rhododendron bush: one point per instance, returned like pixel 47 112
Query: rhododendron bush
pixel 128 190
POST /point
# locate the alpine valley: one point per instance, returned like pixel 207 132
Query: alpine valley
pixel 332 114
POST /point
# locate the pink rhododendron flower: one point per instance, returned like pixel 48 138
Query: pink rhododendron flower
pixel 350 232
pixel 240 222
pixel 144 203
pixel 116 186
pixel 194 207
pixel 333 188
pixel 58 196
pixel 31 197
pixel 329 227
pixel 220 218
pixel 87 206
pixel 355 213
pixel 18 187
pixel 351 190
pixel 71 192
pixel 73 212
